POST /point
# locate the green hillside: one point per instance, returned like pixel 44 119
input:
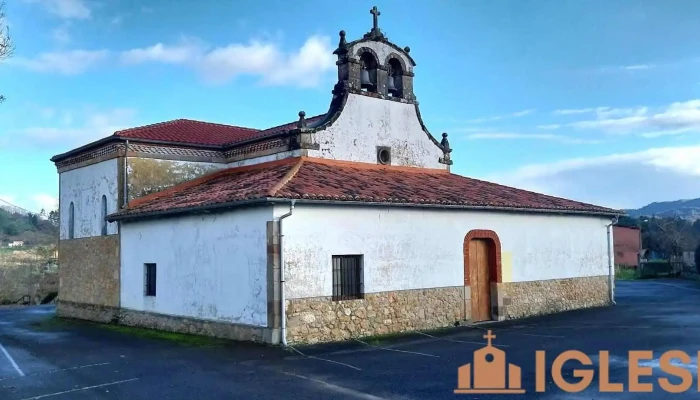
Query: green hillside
pixel 33 229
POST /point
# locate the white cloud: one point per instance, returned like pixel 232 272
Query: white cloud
pixel 43 201
pixel 7 198
pixel 638 67
pixel 500 117
pixel 531 136
pixel 623 180
pixel 71 62
pixel 93 125
pixel 549 126
pixel 676 118
pixel 304 67
pixel 61 35
pixel 67 9
pixel 573 111
pixel 185 52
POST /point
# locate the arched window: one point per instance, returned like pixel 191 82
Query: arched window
pixel 395 78
pixel 71 221
pixel 368 72
pixel 104 215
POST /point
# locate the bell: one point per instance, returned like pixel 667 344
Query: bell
pixel 391 87
pixel 365 83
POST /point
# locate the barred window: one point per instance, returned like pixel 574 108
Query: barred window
pixel 348 282
pixel 150 279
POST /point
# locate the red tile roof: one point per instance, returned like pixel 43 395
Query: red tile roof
pixel 190 132
pixel 317 179
pixel 203 133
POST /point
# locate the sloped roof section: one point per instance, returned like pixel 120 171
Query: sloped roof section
pixel 189 132
pixel 311 179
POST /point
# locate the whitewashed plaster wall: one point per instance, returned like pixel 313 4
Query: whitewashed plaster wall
pixel 366 123
pixel 211 267
pixel 414 248
pixel 85 187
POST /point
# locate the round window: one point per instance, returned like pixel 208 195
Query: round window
pixel 384 155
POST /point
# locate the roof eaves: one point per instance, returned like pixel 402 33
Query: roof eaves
pixel 272 199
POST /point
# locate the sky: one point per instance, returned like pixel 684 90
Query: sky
pixel 597 101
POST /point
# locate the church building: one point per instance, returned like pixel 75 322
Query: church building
pixel 334 226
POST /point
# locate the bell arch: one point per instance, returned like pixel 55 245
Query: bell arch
pixel 398 58
pixel 369 64
pixel 495 272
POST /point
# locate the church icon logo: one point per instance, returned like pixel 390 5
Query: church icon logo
pixel 489 373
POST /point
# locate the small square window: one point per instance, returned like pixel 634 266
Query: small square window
pixel 150 279
pixel 348 279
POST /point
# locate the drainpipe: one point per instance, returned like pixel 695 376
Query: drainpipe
pixel 125 200
pixel 611 267
pixel 283 308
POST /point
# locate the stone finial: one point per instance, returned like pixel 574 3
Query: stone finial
pixel 407 49
pixel 342 43
pixel 302 120
pixel 445 143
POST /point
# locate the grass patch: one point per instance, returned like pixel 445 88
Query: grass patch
pixel 184 339
pixel 626 274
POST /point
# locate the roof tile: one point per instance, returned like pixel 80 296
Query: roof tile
pixel 317 179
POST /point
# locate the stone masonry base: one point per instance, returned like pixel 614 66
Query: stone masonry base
pixel 162 322
pixel 319 319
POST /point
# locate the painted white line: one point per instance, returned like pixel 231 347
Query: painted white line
pixel 678 286
pixel 323 359
pixel 533 334
pixel 460 341
pixel 58 370
pixel 349 392
pixel 12 361
pixel 80 389
pixel 396 350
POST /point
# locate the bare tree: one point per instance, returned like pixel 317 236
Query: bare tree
pixel 673 235
pixel 6 45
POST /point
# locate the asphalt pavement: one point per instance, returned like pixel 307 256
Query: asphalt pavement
pixel 41 358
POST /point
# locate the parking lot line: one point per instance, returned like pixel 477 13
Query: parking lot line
pixel 12 361
pixel 53 371
pixel 460 341
pixel 80 389
pixel 397 350
pixel 323 359
pixel 350 392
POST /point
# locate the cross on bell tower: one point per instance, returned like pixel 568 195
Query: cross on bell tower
pixel 375 33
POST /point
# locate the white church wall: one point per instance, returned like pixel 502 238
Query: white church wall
pixel 264 159
pixel 366 123
pixel 420 248
pixel 211 267
pixel 84 187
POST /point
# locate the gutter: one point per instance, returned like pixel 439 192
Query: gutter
pixel 264 200
pixel 283 305
pixel 611 267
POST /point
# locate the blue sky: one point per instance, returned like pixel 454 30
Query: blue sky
pixel 593 100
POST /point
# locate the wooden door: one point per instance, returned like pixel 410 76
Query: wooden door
pixel 479 280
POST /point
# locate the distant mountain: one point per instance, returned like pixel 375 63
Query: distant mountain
pixel 688 209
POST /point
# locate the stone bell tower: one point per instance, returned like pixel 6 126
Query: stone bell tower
pixel 375 65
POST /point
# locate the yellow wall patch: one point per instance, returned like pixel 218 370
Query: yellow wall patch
pixel 506 266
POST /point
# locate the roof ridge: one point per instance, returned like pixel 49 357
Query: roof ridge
pixel 286 178
pixel 218 124
pixel 371 166
pixel 153 125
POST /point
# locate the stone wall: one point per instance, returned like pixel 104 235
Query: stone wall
pixel 89 270
pixel 170 323
pixel 320 319
pixel 522 299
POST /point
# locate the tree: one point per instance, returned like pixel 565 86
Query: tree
pixel 697 258
pixel 674 234
pixel 6 45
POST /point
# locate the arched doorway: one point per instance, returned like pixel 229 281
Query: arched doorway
pixel 482 267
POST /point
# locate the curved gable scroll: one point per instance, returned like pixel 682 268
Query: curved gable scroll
pixel 494 256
